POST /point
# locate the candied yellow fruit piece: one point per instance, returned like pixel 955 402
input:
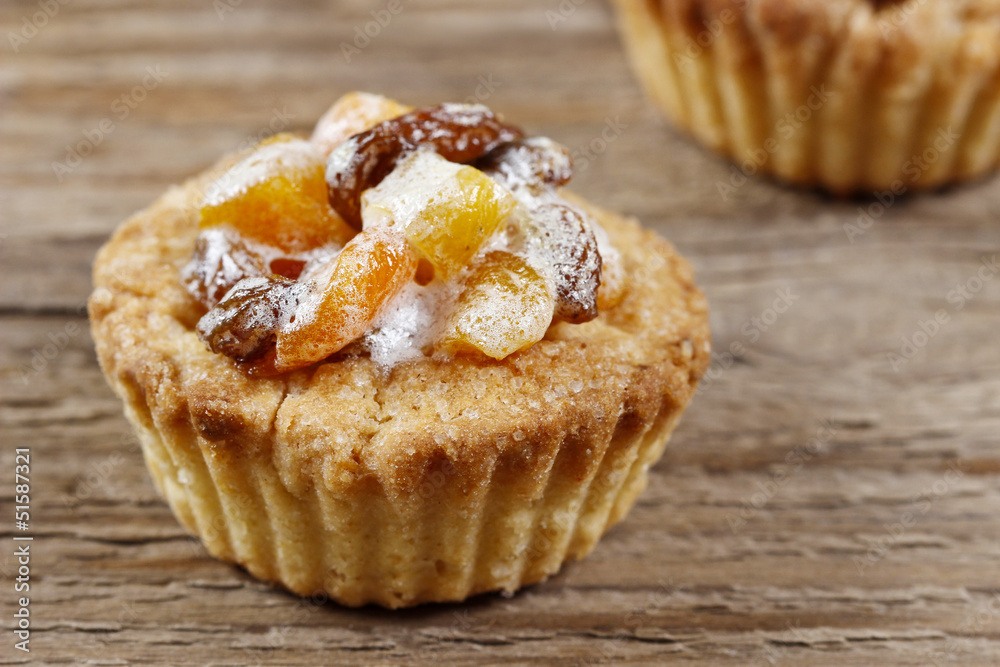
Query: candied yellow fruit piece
pixel 354 112
pixel 277 195
pixel 445 210
pixel 506 306
pixel 351 292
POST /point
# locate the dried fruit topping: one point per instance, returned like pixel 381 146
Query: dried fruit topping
pixel 460 217
pixel 245 325
pixel 445 210
pixel 275 324
pixel 506 306
pixel 459 133
pixel 353 113
pixel 221 259
pixel 534 162
pixel 277 195
pixel 561 234
pixel 564 238
pixel 612 289
pixel 347 295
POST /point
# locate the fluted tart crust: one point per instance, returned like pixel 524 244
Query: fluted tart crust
pixel 430 481
pixel 849 95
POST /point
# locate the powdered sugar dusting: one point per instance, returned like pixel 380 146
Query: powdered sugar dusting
pixel 264 163
pixel 410 324
pixel 351 114
pixel 417 181
pixel 500 258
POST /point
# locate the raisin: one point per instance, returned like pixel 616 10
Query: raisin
pixel 221 259
pixel 459 133
pixel 533 162
pixel 244 325
pixel 530 168
pixel 568 241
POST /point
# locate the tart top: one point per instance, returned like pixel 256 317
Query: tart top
pixel 397 232
pixel 360 418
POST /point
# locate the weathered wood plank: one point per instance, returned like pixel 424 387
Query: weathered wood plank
pixel 820 503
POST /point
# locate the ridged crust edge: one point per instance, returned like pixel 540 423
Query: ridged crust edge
pixel 835 94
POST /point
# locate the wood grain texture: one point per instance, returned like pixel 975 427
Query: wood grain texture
pixel 816 506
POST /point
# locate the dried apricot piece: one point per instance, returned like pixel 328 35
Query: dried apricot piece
pixel 353 113
pixel 506 306
pixel 458 132
pixel 445 210
pixel 347 295
pixel 277 195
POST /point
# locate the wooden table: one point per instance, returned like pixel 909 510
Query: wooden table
pixel 819 504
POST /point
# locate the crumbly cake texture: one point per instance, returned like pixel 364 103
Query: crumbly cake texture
pixel 850 95
pixel 430 481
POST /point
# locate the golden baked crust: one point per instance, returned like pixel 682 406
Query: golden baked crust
pixel 432 481
pixel 847 94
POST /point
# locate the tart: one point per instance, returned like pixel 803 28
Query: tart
pixel 848 95
pixel 395 362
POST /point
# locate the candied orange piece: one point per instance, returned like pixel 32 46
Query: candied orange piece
pixel 446 210
pixel 277 195
pixel 506 306
pixel 351 292
pixel 354 112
